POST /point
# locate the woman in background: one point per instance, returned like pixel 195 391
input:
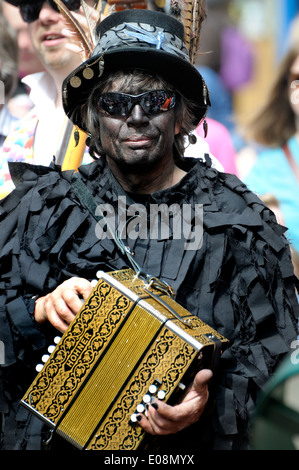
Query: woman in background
pixel 274 132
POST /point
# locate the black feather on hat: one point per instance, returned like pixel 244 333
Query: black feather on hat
pixel 137 39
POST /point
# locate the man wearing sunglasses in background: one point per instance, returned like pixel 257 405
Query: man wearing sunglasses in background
pixel 139 97
pixel 39 134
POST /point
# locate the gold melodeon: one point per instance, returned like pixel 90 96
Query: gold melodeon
pixel 129 342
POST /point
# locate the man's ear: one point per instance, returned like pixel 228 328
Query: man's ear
pixel 177 127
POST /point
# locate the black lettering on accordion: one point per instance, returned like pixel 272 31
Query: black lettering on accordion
pixel 78 350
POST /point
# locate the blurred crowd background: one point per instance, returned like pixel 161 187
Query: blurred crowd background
pixel 243 41
pixel 250 60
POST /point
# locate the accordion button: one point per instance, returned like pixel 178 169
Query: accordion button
pixel 39 367
pixel 94 282
pixel 57 339
pixel 134 418
pixel 147 399
pixel 182 386
pixel 152 389
pixel 45 357
pixel 140 408
pixel 161 394
pixel 51 348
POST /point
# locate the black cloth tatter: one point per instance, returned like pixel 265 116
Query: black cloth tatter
pixel 240 281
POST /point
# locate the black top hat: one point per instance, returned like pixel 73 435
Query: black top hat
pixel 137 39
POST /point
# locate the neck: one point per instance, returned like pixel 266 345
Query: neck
pixel 58 77
pixel 58 83
pixel 150 182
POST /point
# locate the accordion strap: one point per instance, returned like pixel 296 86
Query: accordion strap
pixel 89 202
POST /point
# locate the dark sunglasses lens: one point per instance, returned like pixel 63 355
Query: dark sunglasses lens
pixel 30 12
pixel 115 104
pixel 157 101
pixel 72 5
pixel 120 104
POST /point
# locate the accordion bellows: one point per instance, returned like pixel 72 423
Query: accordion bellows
pixel 128 343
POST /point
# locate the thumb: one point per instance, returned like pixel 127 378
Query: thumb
pixel 199 386
pixel 202 379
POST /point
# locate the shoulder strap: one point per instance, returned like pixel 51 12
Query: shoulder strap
pixel 89 202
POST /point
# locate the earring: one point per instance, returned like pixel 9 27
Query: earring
pixel 192 138
pixel 205 128
pixel 88 139
pixel 76 136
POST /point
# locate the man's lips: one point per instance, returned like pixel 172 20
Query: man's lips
pixel 136 142
pixel 52 39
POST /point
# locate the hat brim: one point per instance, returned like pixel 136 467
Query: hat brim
pixel 180 73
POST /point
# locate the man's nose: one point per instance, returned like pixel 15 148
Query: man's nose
pixel 137 116
pixel 47 13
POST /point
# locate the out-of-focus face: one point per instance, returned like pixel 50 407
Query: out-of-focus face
pixel 294 87
pixel 49 40
pixel 28 60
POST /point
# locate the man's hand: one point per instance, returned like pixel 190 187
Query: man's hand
pixel 62 305
pixel 164 419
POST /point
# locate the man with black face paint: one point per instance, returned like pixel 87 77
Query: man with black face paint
pixel 138 97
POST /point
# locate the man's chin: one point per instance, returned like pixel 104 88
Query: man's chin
pixel 137 166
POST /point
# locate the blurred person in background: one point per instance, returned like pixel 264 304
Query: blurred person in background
pixel 28 62
pixel 220 144
pixel 271 162
pixel 226 64
pixel 215 141
pixel 8 75
pixel 39 134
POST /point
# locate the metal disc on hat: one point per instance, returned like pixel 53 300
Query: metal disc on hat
pixel 75 81
pixel 88 73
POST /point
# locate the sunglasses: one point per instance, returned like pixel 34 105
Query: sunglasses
pixel 121 104
pixel 30 11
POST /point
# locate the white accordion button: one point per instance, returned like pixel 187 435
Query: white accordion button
pixel 182 386
pixel 152 388
pixel 147 398
pixel 161 394
pixel 39 367
pixel 134 418
pixel 140 408
pixel 51 348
